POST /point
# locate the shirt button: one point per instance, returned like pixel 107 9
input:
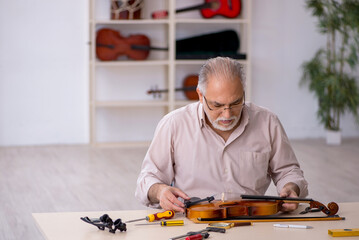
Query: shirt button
pixel 226 170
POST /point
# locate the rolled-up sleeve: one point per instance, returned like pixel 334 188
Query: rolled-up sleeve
pixel 284 165
pixel 157 166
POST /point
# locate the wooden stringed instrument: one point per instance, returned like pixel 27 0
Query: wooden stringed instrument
pixel 256 208
pixel 209 9
pixel 189 88
pixel 110 45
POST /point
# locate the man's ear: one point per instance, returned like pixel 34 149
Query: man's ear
pixel 200 95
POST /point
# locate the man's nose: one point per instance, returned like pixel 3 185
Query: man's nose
pixel 227 112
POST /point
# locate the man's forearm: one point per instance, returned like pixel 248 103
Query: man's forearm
pixel 153 192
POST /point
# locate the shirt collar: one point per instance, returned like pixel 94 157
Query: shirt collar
pixel 201 115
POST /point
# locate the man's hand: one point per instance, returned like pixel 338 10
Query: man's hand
pixel 289 190
pixel 167 197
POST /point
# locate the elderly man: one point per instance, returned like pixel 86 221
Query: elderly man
pixel 219 144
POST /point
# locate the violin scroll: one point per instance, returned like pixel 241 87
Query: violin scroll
pixel 331 210
pixel 333 207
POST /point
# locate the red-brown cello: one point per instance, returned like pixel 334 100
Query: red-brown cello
pixel 110 45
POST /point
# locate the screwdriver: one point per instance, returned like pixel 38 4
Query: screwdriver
pixel 157 216
pixel 165 223
pixel 197 236
pixel 204 231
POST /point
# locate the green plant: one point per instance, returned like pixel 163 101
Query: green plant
pixel 330 73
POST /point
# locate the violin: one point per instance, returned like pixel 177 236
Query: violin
pixel 189 88
pixel 110 45
pixel 249 207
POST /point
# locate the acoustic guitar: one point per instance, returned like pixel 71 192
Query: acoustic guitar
pixel 209 9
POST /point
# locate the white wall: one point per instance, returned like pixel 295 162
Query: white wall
pixel 44 72
pixel 284 35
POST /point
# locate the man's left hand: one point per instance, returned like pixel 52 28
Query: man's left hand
pixel 289 190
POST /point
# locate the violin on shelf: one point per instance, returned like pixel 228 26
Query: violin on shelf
pixel 209 9
pixel 110 45
pixel 255 208
pixel 189 88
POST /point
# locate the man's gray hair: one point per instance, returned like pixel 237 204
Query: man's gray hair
pixel 220 68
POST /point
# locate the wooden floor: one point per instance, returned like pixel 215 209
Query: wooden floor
pixel 83 178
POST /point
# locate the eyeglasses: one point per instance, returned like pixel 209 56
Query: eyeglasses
pixel 221 108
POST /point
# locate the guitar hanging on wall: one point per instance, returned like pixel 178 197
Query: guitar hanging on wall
pixel 209 9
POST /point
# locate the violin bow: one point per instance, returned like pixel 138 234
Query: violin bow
pixel 268 219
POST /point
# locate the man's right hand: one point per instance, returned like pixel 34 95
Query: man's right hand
pixel 167 197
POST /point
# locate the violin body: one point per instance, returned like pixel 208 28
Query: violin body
pixel 231 209
pixel 190 85
pixel 111 44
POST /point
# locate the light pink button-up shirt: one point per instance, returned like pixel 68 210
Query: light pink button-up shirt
pixel 187 153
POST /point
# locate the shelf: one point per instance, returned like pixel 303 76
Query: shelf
pixel 130 63
pixel 121 114
pixel 200 62
pixel 138 21
pixel 212 21
pixel 106 104
pixel 182 103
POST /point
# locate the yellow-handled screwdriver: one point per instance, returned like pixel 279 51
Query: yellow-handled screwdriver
pixel 156 216
pixel 165 223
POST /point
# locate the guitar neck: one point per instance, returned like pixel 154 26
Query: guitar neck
pixel 191 88
pixel 146 48
pixel 196 7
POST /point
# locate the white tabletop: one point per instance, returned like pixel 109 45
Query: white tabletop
pixel 67 225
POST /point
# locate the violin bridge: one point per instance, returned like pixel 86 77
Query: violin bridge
pixel 250 211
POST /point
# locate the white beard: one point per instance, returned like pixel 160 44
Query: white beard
pixel 217 126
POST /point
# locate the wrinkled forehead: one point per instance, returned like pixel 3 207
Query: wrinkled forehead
pixel 223 89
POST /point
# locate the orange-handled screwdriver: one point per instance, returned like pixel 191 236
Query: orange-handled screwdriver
pixel 156 216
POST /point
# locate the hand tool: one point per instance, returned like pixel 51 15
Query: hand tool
pixel 346 232
pixel 106 222
pixel 156 216
pixel 208 229
pixel 227 225
pixel 197 236
pixel 165 223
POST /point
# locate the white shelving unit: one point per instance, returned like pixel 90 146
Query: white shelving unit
pixel 121 111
